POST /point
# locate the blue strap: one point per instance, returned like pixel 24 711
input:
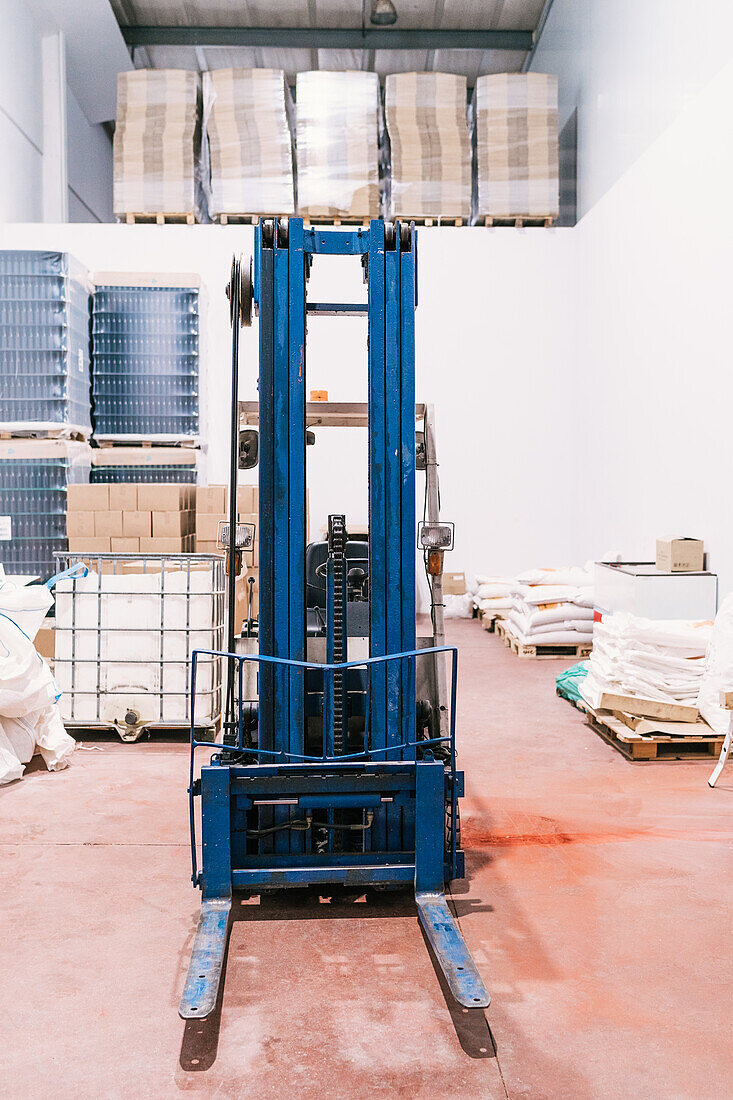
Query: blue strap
pixel 78 569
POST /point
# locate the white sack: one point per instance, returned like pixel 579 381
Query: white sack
pixel 458 607
pixel 10 766
pixel 718 672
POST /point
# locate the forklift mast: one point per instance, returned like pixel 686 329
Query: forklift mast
pixel 342 772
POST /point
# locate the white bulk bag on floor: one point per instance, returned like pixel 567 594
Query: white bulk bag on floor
pixel 29 714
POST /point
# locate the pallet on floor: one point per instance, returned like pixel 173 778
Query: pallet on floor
pixel 188 218
pixel 542 652
pixel 490 620
pixel 657 746
pixel 520 221
pixel 28 430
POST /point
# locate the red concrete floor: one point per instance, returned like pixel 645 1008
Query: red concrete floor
pixel 597 907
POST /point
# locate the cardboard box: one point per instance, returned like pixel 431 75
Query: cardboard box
pixel 242 598
pixel 208 548
pixel 168 525
pixel 165 498
pixel 108 524
pixel 89 546
pixel 44 642
pixel 123 497
pixel 152 545
pixel 87 498
pixel 454 584
pixel 211 499
pixel 207 525
pixel 136 525
pixel 214 499
pixel 80 524
pixel 124 545
pixel 681 555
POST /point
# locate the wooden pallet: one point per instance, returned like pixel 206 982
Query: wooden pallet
pixel 518 222
pixel 335 221
pixel 36 431
pixel 247 219
pixel 635 746
pixel 542 652
pixel 159 219
pixel 105 441
pixel 490 620
pixel 427 222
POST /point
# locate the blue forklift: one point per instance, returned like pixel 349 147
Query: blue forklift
pixel 337 765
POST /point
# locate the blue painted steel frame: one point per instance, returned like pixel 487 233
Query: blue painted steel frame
pixel 406 840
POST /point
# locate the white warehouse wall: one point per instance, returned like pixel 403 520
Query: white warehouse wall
pixel 655 255
pixel 89 147
pixel 21 114
pixel 629 67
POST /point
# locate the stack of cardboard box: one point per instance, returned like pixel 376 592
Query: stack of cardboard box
pixel 130 518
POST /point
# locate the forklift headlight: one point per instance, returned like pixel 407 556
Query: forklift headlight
pixel 435 536
pixel 245 536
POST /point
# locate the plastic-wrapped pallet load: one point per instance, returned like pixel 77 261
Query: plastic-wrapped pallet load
pixel 44 343
pixel 247 116
pixel 337 139
pixel 517 146
pixel 145 332
pixel 34 479
pixel 660 660
pixel 430 146
pixel 157 144
pixel 553 607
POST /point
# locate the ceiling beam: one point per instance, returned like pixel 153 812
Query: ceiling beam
pixel 328 38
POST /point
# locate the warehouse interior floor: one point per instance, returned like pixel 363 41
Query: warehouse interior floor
pixel 595 908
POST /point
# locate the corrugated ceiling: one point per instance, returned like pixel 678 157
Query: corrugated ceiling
pixel 412 14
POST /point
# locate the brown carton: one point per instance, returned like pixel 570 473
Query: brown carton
pixel 207 526
pixel 165 498
pixel 172 524
pixel 211 498
pixel 88 498
pixel 44 642
pixel 80 524
pixel 454 584
pixel 108 524
pixel 681 555
pixel 95 545
pixel 124 545
pixel 154 545
pixel 123 497
pixel 136 524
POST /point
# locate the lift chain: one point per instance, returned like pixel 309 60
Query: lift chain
pixel 337 556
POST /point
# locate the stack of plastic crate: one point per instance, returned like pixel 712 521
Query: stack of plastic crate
pixel 34 478
pixel 145 333
pixel 44 392
pixel 44 344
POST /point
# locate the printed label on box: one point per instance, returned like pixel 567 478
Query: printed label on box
pixel 6 528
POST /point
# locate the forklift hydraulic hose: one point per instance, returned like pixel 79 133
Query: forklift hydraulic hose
pixel 302 826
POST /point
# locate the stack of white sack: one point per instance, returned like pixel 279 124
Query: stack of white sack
pixel 661 660
pixel 553 606
pixel 494 594
pixel 30 718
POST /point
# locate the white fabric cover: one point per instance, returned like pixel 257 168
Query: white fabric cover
pixel 718 672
